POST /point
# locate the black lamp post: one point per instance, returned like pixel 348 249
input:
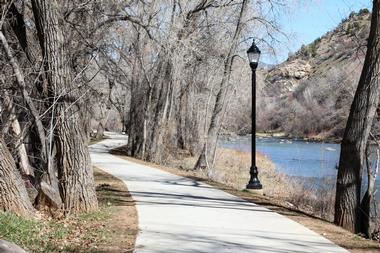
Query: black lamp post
pixel 253 56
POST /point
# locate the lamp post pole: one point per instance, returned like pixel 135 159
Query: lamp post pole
pixel 253 55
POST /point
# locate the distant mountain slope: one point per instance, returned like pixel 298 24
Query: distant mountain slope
pixel 311 92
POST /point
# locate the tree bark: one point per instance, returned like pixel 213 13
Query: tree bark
pixel 13 195
pixel 19 28
pixel 365 205
pixel 359 123
pixel 100 130
pixel 138 115
pixel 206 158
pixel 160 98
pixel 149 114
pixel 11 125
pixel 187 114
pixel 75 174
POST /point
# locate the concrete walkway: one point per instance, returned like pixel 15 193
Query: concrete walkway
pixel 179 215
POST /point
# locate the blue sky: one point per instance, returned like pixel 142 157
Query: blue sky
pixel 310 19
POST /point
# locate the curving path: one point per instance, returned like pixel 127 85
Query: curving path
pixel 180 215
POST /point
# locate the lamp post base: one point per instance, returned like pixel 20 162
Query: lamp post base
pixel 254 182
pixel 256 186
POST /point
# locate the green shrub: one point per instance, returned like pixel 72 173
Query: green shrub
pixel 363 11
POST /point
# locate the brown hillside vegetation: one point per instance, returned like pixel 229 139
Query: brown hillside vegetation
pixel 310 94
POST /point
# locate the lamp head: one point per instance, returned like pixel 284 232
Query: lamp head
pixel 253 55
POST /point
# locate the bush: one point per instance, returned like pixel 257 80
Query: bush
pixel 364 11
pixel 318 106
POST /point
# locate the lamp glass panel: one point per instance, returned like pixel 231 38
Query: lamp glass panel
pixel 254 57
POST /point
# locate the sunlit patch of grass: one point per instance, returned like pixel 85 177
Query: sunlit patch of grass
pixel 32 234
pixel 86 232
pixel 79 233
pixel 22 231
pixel 102 214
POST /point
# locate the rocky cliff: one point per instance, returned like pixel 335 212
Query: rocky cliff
pixel 337 48
pixel 310 93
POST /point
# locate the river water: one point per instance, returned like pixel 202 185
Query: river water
pixel 296 158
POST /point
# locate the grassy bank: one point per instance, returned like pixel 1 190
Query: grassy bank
pixel 232 169
pixel 112 228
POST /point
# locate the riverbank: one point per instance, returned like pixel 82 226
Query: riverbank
pixel 232 169
pixel 309 138
pixel 309 195
pixel 283 135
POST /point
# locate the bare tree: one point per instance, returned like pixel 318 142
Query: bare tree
pixel 69 146
pixel 154 63
pixel 355 139
pixel 208 153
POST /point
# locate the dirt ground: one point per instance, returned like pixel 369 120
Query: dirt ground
pixel 122 228
pixel 345 239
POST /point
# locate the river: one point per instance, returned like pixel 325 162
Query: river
pixel 296 158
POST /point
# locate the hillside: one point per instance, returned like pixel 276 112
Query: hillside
pixel 309 94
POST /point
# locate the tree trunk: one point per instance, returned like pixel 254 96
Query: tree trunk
pixel 149 114
pixel 76 181
pixel 75 174
pixel 13 195
pixel 157 127
pixel 100 130
pixel 137 117
pixel 22 155
pixel 151 131
pixel 206 158
pixel 365 205
pixel 187 128
pixel 10 125
pixel 359 123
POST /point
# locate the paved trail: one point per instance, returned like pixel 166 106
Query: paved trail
pixel 180 215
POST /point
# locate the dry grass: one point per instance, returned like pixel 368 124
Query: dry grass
pixel 232 169
pixel 313 197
